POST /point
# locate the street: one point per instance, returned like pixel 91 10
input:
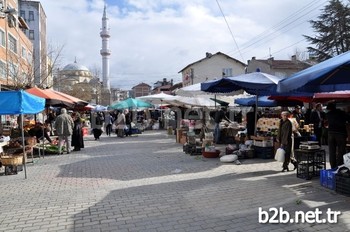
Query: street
pixel 147 183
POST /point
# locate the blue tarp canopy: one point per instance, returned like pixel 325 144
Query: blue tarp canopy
pixel 263 101
pixel 20 102
pixel 253 83
pixel 327 76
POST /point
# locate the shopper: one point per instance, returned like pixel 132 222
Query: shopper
pixel 64 129
pixel 317 119
pixel 77 136
pixel 97 120
pixel 108 123
pixel 337 134
pixel 120 123
pixel 284 137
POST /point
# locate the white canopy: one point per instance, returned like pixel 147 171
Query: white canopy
pixel 158 98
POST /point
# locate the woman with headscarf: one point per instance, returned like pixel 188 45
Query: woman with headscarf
pixel 77 136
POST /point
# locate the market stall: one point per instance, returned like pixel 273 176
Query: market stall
pixel 21 103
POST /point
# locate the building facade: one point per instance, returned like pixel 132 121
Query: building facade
pixel 34 15
pixel 16 50
pixel 280 68
pixel 213 66
pixel 140 90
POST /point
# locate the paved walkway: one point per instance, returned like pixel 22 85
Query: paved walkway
pixel 147 183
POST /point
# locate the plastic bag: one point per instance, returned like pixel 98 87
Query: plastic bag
pixel 346 159
pixel 280 154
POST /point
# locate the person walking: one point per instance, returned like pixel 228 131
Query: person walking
pixel 284 137
pixel 120 123
pixel 64 128
pixel 128 119
pixel 77 136
pixel 97 120
pixel 337 134
pixel 108 123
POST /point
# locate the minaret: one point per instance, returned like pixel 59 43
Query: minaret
pixel 105 52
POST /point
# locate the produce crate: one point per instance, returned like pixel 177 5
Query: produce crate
pixel 264 152
pixel 342 185
pixel 11 160
pixel 327 178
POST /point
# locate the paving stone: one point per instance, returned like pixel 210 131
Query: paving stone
pixel 130 185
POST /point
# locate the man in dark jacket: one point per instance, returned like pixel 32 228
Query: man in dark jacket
pixel 219 116
pixel 337 134
pixel 284 137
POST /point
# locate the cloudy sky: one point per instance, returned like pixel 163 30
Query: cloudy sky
pixel 155 39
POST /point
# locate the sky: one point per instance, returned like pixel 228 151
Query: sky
pixel 155 39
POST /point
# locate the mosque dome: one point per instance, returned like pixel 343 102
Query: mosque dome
pixel 75 67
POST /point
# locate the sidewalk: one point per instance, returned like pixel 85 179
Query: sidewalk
pixel 146 183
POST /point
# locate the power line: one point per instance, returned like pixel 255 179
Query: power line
pixel 282 26
pixel 217 1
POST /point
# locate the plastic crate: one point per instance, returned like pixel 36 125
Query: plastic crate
pixel 264 152
pixel 327 178
pixel 342 185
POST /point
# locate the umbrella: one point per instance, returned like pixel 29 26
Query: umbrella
pixel 157 98
pixel 253 83
pixel 328 76
pixel 221 102
pixel 330 96
pixel 130 103
pixel 99 108
pixel 77 101
pixel 20 102
pixel 52 98
pixel 263 101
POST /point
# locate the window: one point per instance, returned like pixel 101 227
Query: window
pixel 31 34
pixel 30 58
pixel 2 69
pixel 2 38
pixel 24 53
pixel 31 16
pixel 23 14
pixel 227 72
pixel 12 43
pixel 13 70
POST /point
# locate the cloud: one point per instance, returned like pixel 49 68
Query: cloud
pixel 154 39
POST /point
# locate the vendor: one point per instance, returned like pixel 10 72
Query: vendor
pixel 219 116
pixel 251 122
pixel 41 131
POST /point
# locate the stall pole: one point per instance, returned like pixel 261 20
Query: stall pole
pixel 24 149
pixel 256 112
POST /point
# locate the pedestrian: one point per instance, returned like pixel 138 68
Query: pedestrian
pixel 284 137
pixel 337 134
pixel 77 136
pixel 108 123
pixel 64 128
pixel 97 120
pixel 120 124
pixel 128 119
pixel 317 119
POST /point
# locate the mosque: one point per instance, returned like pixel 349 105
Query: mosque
pixel 76 73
